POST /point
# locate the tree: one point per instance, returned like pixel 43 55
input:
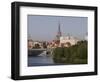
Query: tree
pixel 76 54
pixel 37 46
pixel 44 45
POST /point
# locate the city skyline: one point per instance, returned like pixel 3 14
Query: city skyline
pixel 45 28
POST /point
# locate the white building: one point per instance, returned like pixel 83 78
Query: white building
pixel 68 40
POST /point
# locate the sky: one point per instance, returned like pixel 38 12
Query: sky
pixel 45 27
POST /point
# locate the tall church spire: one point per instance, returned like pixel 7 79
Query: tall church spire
pixel 59 32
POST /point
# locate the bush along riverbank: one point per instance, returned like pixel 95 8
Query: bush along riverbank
pixel 76 54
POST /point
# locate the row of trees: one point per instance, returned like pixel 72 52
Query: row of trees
pixel 76 54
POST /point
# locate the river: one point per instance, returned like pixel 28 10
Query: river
pixel 40 61
pixel 38 57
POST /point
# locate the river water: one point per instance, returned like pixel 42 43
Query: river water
pixel 40 60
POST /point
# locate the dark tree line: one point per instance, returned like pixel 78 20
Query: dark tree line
pixel 77 54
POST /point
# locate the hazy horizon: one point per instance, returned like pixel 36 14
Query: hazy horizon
pixel 45 28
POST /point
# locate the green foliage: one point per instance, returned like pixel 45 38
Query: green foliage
pixel 76 54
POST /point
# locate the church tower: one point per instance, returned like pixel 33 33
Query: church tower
pixel 59 32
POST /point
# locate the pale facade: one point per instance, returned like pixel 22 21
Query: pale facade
pixel 68 40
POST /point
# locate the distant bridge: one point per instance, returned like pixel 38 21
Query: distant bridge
pixel 37 52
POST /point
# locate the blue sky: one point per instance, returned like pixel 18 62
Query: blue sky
pixel 41 27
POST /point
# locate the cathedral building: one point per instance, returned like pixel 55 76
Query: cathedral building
pixel 65 41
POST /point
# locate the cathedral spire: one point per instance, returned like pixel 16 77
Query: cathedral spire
pixel 59 32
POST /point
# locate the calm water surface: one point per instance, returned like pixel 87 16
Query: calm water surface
pixel 40 60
